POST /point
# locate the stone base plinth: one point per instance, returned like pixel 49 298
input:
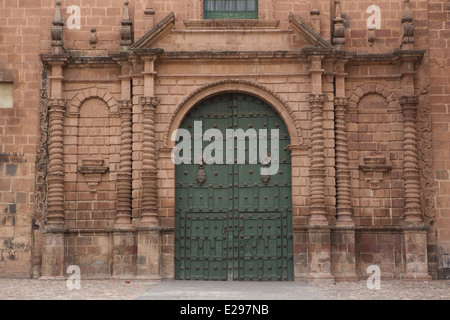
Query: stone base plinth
pixel 149 254
pixel 53 259
pixel 124 254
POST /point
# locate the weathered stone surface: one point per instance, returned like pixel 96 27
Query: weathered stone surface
pixel 348 105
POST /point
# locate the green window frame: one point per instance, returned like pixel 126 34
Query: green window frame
pixel 230 9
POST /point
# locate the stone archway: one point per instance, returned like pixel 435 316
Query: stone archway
pixel 237 86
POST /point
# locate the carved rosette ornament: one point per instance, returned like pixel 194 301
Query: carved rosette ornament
pixel 124 177
pixel 149 216
pixel 317 170
pixel 55 177
pixel 343 194
pixel 411 171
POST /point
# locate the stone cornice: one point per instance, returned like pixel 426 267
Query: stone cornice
pixel 231 24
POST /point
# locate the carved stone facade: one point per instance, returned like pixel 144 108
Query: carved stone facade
pixel 368 146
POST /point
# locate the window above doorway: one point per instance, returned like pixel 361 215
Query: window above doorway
pixel 230 9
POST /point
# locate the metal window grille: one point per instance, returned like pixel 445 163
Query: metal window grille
pixel 231 9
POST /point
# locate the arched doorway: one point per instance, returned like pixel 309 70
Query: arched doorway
pixel 233 220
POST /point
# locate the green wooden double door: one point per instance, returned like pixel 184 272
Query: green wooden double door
pixel 232 222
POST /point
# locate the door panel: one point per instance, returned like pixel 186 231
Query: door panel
pixel 231 223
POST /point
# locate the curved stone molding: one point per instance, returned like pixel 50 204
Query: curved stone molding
pixel 242 86
pixel 82 96
pixel 370 88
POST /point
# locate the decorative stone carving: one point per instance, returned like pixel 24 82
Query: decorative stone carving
pixel 425 145
pixel 55 177
pixel 343 194
pixel 41 164
pixel 93 171
pixel 124 178
pixel 93 40
pixel 374 168
pixel 234 82
pixel 411 171
pixel 57 32
pixel 126 32
pixel 408 28
pixel 317 169
pixel 339 28
pixel 149 216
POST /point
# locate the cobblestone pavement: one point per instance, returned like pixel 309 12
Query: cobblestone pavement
pixel 120 290
pixel 389 290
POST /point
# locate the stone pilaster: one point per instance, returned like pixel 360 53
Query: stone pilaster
pixel 411 171
pixel 124 177
pixel 149 246
pixel 317 169
pixel 415 236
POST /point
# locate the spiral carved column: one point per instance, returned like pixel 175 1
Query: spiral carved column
pixel 411 171
pixel 317 170
pixel 149 216
pixel 124 177
pixel 343 194
pixel 55 177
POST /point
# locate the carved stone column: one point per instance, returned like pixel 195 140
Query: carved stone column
pixel 415 236
pixel 53 258
pixel 149 216
pixel 411 171
pixel 124 177
pixel 317 169
pixel 55 177
pixel 149 246
pixel 343 193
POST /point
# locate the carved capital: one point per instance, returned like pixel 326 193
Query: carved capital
pixel 410 106
pixel 341 101
pixel 56 104
pixel 408 100
pixel 317 100
pixel 147 102
pixel 125 107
